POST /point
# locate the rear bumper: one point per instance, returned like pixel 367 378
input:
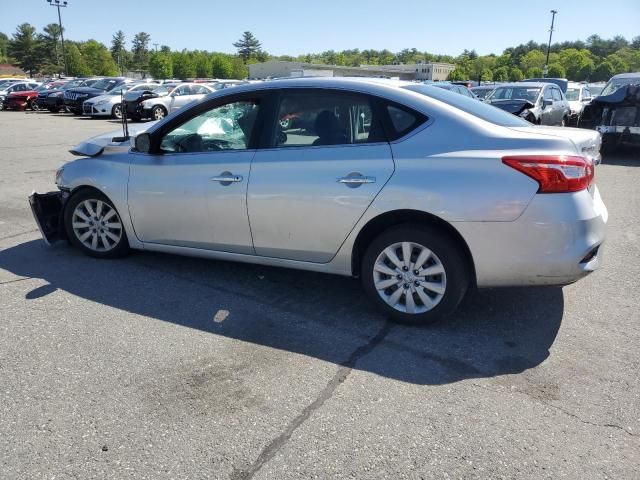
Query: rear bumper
pixel 47 211
pixel 558 240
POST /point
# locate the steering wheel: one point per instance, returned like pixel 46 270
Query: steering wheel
pixel 187 143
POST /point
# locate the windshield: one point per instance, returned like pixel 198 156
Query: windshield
pixel 515 93
pixel 573 94
pixel 164 89
pixel 470 105
pixel 595 90
pixel 482 92
pixel 615 83
pixel 105 84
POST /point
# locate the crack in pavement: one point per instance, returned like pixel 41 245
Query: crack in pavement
pixel 566 412
pixel 15 280
pixel 13 235
pixel 272 448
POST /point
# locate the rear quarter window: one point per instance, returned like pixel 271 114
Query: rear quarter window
pixel 402 121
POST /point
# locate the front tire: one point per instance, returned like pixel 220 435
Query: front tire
pixel 414 274
pixel 158 112
pixel 93 224
pixel 116 111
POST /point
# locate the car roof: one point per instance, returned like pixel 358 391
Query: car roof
pixel 627 75
pixel 526 84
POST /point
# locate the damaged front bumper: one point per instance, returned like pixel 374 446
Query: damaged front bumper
pixel 47 211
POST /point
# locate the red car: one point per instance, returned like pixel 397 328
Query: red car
pixel 27 99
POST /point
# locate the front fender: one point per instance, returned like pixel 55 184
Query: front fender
pixel 108 174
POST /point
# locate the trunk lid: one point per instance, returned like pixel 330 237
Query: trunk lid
pixel 587 142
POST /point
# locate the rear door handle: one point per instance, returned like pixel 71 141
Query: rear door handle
pixel 352 180
pixel 227 178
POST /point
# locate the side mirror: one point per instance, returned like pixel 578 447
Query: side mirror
pixel 547 103
pixel 143 143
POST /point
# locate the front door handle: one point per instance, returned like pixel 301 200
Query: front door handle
pixel 355 179
pixel 227 178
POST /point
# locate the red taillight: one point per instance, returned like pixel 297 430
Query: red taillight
pixel 554 173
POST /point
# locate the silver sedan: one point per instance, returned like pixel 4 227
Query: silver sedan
pixel 420 192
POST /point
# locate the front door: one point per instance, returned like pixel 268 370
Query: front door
pixel 193 193
pixel 328 160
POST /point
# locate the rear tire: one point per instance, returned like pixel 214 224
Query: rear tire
pixel 93 224
pixel 425 288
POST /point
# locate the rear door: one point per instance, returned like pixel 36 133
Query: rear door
pixel 326 159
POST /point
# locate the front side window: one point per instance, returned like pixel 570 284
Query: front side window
pixel 325 118
pixel 199 90
pixel 226 127
pixel 548 95
pixel 557 96
pixel 181 90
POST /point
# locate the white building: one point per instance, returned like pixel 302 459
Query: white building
pixel 415 71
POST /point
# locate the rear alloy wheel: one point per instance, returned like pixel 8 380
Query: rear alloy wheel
pixel 158 112
pixel 415 275
pixel 93 224
pixel 33 105
pixel 116 111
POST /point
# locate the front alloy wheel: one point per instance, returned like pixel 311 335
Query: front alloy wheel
pixel 93 225
pixel 158 113
pixel 116 111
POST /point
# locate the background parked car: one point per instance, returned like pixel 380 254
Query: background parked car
pixel 578 95
pixel 563 83
pixel 539 103
pixel 53 100
pixel 596 88
pixel 452 87
pixel 615 113
pixel 75 97
pixel 482 91
pixel 11 87
pixel 27 99
pixel 160 107
pixel 110 104
pixel 133 100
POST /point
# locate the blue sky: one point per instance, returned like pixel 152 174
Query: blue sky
pixel 299 26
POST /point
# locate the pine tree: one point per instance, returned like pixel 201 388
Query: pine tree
pixel 24 48
pixel 248 46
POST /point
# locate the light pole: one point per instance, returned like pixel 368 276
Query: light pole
pixel 546 65
pixel 59 4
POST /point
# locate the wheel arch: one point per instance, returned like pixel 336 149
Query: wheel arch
pixel 384 221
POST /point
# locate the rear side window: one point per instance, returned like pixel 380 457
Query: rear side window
pixel 402 121
pixel 324 117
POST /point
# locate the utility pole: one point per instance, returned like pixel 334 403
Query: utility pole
pixel 546 65
pixel 61 4
pixel 156 45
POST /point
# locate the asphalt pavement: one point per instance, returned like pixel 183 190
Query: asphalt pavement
pixel 157 367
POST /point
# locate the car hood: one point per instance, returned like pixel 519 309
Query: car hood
pixel 90 90
pixel 109 98
pixel 513 106
pixel 575 105
pixel 109 142
pixel 586 141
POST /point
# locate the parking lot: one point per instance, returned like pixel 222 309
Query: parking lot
pixel 155 366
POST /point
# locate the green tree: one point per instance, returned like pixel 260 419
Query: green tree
pixel 98 58
pixel 457 75
pixel 248 46
pixel 221 66
pixel 140 51
pixel 160 65
pixel 49 51
pixel 576 62
pixel 24 48
pixel 515 74
pixel 532 59
pixel 603 72
pixel 4 48
pixel 202 63
pixel 238 68
pixel 501 74
pixel 183 66
pixel 535 72
pixel 556 71
pixel 119 51
pixel 77 66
